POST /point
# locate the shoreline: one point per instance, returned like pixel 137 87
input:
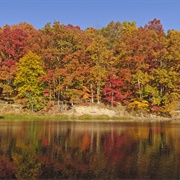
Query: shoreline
pixel 85 118
pixel 97 113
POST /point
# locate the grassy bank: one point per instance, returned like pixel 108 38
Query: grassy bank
pixel 34 117
pixel 85 117
pixel 60 117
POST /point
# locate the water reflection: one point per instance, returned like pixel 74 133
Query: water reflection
pixel 89 150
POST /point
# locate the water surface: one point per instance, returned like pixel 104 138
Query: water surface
pixel 89 150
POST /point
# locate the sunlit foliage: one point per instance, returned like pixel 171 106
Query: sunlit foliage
pixel 71 65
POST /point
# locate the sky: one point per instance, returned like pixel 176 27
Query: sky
pixel 90 13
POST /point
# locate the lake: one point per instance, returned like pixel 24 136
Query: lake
pixel 89 150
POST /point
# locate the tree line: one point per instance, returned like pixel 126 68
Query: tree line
pixel 121 63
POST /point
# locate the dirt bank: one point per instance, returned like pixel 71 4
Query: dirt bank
pixel 92 110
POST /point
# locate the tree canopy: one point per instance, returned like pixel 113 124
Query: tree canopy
pixel 137 67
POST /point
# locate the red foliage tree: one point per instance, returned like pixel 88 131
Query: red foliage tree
pixel 12 48
pixel 112 89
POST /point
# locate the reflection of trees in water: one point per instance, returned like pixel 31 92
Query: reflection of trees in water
pixel 96 153
pixel 156 155
pixel 25 161
pixel 92 150
pixel 7 168
pixel 80 153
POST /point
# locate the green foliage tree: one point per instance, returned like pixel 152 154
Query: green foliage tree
pixel 27 80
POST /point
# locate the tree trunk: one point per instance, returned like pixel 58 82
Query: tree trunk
pixel 92 94
pixel 98 93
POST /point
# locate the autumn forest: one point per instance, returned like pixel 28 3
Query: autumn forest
pixel 137 67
